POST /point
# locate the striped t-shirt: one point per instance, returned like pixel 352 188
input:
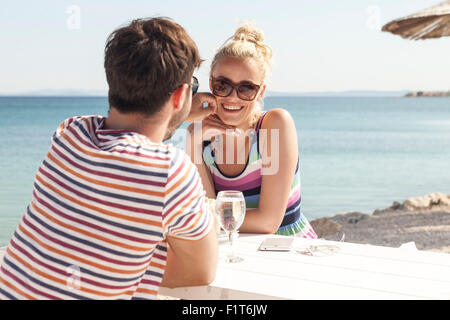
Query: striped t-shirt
pixel 103 202
pixel 249 182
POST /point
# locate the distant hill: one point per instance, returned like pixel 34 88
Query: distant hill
pixel 349 93
pixel 61 93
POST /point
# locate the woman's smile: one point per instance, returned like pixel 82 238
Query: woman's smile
pixel 232 108
pixel 233 113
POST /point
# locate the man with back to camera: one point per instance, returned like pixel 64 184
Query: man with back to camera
pixel 115 213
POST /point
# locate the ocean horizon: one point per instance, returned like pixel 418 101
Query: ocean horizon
pixel 80 93
pixel 356 153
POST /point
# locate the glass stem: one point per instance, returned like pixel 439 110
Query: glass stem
pixel 231 239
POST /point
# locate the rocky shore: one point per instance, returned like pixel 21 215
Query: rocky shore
pixel 428 94
pixel 422 220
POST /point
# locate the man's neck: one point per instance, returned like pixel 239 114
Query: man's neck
pixel 153 128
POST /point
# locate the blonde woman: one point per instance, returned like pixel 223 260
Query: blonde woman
pixel 243 148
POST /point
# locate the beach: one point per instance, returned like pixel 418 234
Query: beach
pixel 424 221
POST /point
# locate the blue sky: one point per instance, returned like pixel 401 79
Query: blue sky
pixel 319 45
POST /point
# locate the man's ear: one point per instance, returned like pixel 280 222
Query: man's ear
pixel 179 96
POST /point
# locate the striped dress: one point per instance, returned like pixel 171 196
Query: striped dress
pixel 249 182
pixel 103 203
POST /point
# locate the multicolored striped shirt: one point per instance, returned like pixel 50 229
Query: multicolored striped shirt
pixel 103 203
pixel 249 182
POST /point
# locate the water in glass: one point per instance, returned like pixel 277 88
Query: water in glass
pixel 230 209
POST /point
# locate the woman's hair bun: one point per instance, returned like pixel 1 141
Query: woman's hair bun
pixel 247 42
pixel 249 33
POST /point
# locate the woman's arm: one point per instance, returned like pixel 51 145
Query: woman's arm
pixel 195 152
pixel 279 154
pixel 197 133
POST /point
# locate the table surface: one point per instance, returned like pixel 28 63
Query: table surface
pixel 355 271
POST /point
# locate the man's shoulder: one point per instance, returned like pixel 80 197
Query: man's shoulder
pixel 84 121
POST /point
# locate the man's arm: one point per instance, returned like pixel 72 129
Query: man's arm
pixel 191 262
pixel 192 251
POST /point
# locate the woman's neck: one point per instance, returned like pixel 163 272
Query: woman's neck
pixel 241 139
pixel 248 124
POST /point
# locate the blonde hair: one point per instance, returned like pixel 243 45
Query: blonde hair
pixel 248 42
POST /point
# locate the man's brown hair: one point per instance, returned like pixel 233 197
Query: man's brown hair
pixel 145 62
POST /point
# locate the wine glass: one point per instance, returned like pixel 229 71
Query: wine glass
pixel 230 209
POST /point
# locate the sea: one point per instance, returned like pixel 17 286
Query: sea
pixel 356 153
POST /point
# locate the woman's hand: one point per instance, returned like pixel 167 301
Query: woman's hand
pixel 211 124
pixel 198 110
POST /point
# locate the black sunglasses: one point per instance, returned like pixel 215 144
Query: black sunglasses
pixel 223 88
pixel 194 85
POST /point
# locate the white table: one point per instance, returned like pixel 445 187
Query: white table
pixel 356 271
